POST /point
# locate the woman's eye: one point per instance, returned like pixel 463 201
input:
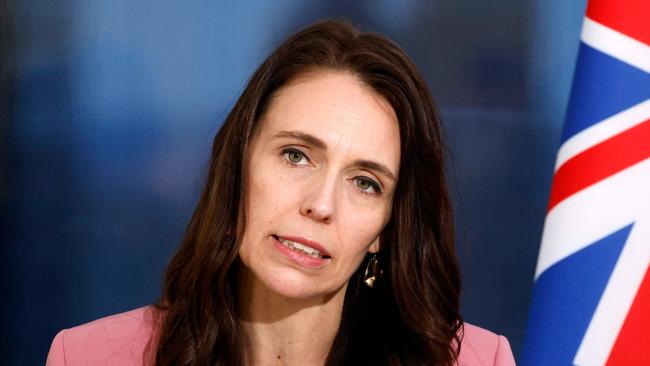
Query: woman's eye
pixel 368 185
pixel 294 156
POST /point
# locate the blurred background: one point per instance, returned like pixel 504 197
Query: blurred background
pixel 109 108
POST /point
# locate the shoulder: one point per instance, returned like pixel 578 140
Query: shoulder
pixel 482 347
pixel 119 339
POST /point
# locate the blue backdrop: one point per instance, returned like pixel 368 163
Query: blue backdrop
pixel 109 109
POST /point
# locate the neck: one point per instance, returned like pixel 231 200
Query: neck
pixel 287 331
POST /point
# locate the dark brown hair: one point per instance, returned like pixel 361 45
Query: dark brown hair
pixel 412 316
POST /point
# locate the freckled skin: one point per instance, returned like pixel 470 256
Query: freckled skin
pixel 319 198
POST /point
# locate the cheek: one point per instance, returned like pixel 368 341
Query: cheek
pixel 361 229
pixel 268 194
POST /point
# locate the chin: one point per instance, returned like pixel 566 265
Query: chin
pixel 292 284
pixel 285 280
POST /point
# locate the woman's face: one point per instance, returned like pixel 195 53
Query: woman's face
pixel 321 178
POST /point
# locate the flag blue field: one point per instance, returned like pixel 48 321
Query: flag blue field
pixel 591 297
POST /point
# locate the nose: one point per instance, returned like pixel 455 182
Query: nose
pixel 319 202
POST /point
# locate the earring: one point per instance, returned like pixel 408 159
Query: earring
pixel 373 272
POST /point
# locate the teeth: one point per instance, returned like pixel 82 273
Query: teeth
pixel 301 247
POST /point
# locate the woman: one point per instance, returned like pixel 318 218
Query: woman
pixel 324 234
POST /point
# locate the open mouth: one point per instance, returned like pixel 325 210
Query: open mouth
pixel 301 248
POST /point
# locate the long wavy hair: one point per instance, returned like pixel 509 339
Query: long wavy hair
pixel 412 316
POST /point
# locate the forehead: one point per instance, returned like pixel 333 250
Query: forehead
pixel 339 109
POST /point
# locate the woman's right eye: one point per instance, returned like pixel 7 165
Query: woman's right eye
pixel 295 157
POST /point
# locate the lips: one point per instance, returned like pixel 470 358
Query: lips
pixel 303 246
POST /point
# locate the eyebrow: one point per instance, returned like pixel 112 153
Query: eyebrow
pixel 318 143
pixel 373 165
pixel 310 139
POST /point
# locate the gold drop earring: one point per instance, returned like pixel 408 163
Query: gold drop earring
pixel 373 272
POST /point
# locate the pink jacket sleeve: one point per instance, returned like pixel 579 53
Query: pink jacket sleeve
pixel 56 357
pixel 504 355
pixel 480 347
pixel 120 339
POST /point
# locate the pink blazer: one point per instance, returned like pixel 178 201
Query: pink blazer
pixel 121 340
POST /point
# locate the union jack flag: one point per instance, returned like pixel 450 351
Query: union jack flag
pixel 591 297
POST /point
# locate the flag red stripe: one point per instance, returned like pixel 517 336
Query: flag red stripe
pixel 629 17
pixel 632 347
pixel 601 161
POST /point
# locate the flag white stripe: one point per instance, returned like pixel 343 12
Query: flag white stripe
pixel 616 44
pixel 594 213
pixel 617 298
pixel 602 131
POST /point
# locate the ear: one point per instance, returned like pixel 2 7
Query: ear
pixel 375 246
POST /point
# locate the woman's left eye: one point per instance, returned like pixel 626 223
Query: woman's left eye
pixel 367 185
